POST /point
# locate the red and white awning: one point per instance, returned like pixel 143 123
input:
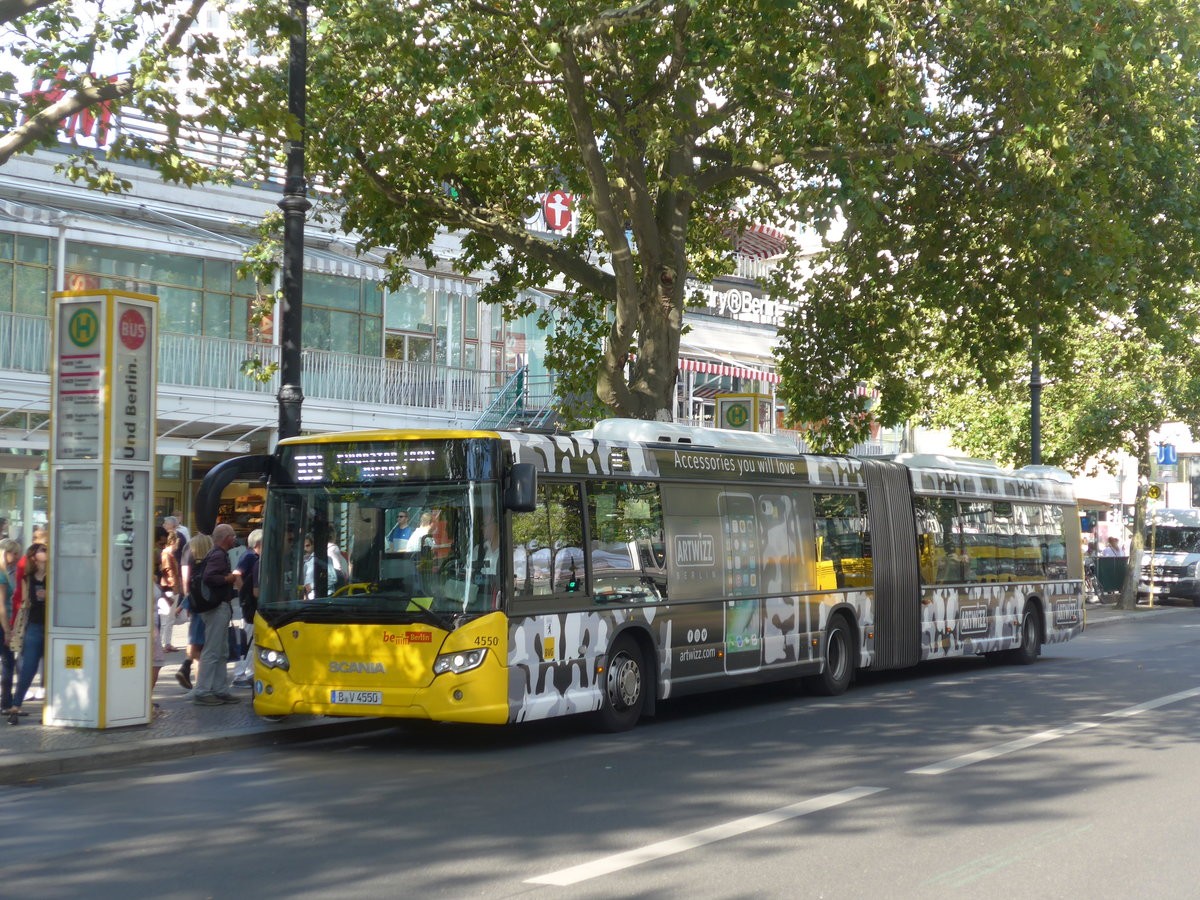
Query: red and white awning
pixel 760 242
pixel 711 368
pixel 732 371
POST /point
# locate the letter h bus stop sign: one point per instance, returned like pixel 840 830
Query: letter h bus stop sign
pixel 102 449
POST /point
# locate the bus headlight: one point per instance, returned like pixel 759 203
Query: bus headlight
pixel 462 661
pixel 273 659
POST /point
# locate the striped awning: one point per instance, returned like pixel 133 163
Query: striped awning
pixel 731 371
pixel 760 242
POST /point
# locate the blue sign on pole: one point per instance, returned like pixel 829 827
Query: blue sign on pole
pixel 1167 455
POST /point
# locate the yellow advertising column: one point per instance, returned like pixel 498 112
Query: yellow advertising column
pixel 101 487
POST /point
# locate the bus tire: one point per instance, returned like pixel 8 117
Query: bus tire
pixel 1031 638
pixel 623 690
pixel 835 677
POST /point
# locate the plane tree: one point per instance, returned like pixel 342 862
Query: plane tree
pixel 1066 224
pixel 677 123
pixel 1116 386
pixel 998 167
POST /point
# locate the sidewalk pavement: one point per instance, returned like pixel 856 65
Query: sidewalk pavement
pixel 31 750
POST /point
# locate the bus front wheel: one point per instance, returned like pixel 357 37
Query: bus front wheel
pixel 623 690
pixel 839 661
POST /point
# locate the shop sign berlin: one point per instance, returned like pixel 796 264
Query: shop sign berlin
pixel 741 302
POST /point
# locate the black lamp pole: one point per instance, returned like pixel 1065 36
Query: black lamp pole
pixel 1035 413
pixel 294 205
pixel 1035 400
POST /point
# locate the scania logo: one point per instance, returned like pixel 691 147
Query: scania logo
pixel 370 668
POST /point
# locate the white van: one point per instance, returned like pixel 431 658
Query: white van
pixel 1171 557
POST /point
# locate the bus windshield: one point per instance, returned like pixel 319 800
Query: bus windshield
pixel 389 554
pixel 1174 539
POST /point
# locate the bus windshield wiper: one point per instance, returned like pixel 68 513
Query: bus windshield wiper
pixel 429 617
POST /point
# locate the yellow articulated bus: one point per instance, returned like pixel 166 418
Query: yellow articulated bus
pixel 503 577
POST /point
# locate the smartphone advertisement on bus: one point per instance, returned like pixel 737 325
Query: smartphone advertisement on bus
pixel 743 577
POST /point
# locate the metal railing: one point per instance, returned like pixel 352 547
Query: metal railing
pixel 209 362
pixel 498 400
pixel 25 343
pixel 524 401
pixel 753 269
pixel 220 364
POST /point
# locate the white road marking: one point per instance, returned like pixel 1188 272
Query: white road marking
pixel 1153 704
pixel 608 864
pixel 968 759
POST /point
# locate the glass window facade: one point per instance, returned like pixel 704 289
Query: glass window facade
pixel 26 277
pixel 443 327
pixel 205 296
pixel 195 295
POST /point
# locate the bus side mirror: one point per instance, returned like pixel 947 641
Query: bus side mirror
pixel 520 494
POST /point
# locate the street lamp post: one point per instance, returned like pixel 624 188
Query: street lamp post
pixel 1035 390
pixel 295 205
pixel 1035 412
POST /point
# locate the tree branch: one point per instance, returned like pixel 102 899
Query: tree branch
pixel 480 220
pixel 607 217
pixel 15 9
pixel 609 18
pixel 45 123
pixel 94 92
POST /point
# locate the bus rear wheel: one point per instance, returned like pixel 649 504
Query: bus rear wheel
pixel 1031 638
pixel 839 661
pixel 623 691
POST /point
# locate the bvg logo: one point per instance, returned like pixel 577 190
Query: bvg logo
pixel 83 327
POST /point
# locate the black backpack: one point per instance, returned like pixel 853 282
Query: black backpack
pixel 200 595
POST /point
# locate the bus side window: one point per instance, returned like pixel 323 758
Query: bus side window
pixel 626 521
pixel 843 550
pixel 548 543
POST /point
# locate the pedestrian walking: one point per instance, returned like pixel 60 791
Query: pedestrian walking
pixel 10 550
pixel 171 581
pixel 30 628
pixel 212 684
pixel 247 568
pixel 197 550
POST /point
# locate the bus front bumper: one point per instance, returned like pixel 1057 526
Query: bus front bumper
pixel 479 696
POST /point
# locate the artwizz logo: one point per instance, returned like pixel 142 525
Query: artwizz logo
pixel 972 621
pixel 1066 612
pixel 695 550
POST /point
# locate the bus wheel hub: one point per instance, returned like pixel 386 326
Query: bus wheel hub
pixel 624 682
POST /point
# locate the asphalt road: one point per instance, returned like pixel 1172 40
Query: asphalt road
pixel 1075 777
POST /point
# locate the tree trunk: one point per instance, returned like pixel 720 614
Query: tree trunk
pixel 649 390
pixel 1134 569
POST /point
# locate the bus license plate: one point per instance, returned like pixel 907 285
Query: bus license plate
pixel 358 698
